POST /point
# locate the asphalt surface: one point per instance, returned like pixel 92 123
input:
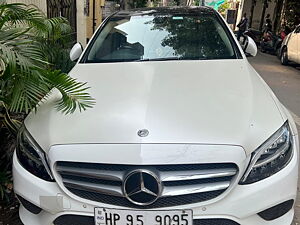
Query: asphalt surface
pixel 285 83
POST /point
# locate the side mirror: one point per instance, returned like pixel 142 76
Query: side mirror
pixel 76 51
pixel 249 46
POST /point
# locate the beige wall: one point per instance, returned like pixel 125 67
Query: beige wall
pixel 98 17
pixel 246 7
pixel 41 4
pixel 81 22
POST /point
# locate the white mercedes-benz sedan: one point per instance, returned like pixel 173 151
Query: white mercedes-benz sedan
pixel 184 132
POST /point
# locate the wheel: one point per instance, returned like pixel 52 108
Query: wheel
pixel 284 57
pixel 278 52
pixel 262 47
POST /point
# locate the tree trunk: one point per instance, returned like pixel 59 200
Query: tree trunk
pixel 262 19
pixel 189 2
pixel 277 14
pixel 253 3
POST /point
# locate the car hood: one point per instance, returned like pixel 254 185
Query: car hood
pixel 201 102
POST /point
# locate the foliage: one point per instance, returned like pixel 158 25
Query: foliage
pixel 56 44
pixel 292 13
pixel 222 8
pixel 27 45
pixel 33 61
pixel 7 146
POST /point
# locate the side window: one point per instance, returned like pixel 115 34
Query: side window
pixel 297 30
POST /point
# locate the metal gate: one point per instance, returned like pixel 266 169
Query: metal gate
pixel 64 8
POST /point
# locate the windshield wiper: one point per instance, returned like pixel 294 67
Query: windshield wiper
pixel 158 59
pixel 171 58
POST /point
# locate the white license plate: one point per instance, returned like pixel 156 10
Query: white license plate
pixel 105 216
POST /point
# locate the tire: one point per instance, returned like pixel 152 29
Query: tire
pixel 278 53
pixel 262 47
pixel 284 57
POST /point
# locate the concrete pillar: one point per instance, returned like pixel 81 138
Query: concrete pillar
pixel 81 22
pixel 94 18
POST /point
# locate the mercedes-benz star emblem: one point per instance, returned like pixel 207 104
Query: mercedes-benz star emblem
pixel 142 187
pixel 143 133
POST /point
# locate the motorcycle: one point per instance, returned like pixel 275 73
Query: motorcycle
pixel 270 43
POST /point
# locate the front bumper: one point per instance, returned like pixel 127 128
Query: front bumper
pixel 241 204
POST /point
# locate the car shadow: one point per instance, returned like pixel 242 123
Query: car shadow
pixel 295 65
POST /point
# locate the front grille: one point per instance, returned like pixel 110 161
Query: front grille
pixel 181 184
pixel 89 220
pixel 160 203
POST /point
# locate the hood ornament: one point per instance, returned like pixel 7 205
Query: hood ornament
pixel 143 133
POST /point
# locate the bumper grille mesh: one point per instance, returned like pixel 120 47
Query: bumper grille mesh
pixel 160 203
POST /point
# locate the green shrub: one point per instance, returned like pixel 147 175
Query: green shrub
pixel 33 60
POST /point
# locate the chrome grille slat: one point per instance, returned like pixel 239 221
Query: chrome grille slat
pixel 101 188
pixel 194 189
pixel 196 175
pixel 93 173
pixel 186 183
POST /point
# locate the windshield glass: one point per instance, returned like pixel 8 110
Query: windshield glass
pixel 161 37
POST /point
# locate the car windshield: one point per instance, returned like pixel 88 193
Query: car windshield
pixel 159 38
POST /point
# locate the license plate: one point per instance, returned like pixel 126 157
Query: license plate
pixel 105 216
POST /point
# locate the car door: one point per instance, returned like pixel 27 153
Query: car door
pixel 293 45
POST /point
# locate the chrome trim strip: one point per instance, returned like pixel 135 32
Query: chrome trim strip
pixel 92 173
pixel 194 189
pixel 197 174
pixel 101 188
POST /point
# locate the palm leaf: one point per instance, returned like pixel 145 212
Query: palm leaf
pixel 30 45
pixel 74 93
pixel 18 13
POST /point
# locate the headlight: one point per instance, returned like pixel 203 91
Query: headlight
pixel 270 157
pixel 31 156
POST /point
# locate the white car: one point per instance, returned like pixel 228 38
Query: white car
pixel 184 131
pixel 290 48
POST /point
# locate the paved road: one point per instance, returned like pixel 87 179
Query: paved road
pixel 285 82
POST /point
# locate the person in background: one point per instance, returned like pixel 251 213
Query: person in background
pixel 284 31
pixel 267 30
pixel 268 26
pixel 243 24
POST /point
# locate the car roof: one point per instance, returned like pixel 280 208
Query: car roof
pixel 185 10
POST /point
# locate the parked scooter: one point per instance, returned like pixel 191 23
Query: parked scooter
pixel 270 43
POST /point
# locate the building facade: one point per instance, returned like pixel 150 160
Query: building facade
pixel 84 15
pixel 245 7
